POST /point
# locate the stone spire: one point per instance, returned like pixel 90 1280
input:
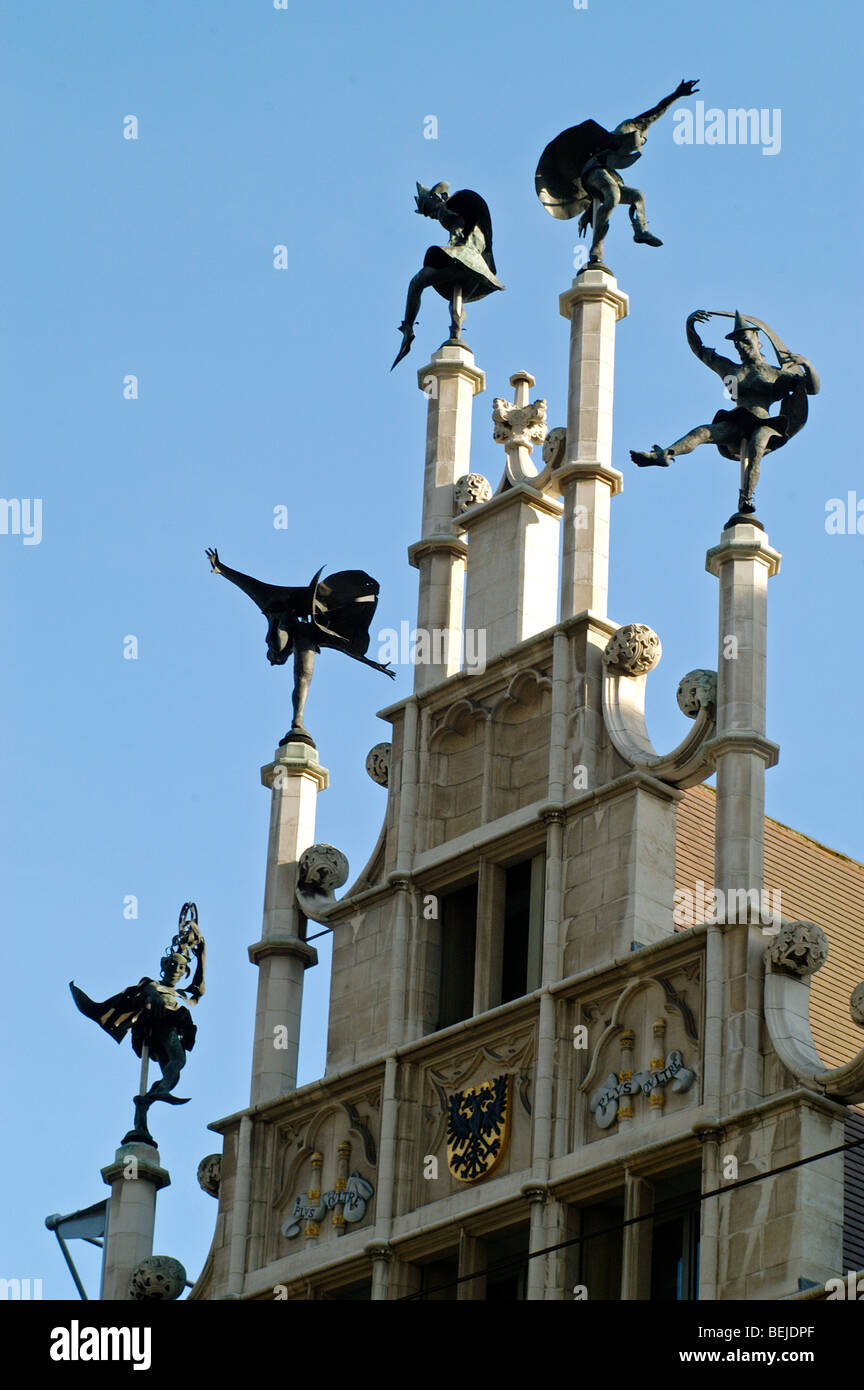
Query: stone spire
pixel 588 482
pixel 450 382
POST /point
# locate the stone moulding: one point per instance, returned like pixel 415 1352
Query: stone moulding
pixel 630 654
pixel 790 961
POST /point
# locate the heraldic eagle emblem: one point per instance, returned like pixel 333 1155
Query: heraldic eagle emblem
pixel 477 1126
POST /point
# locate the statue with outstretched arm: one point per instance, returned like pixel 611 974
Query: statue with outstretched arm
pixel 748 431
pixel 577 175
pixel 333 612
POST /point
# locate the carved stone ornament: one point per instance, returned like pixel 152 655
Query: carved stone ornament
pixel 554 447
pixel 633 650
pixel 470 491
pixel 323 868
pixel 210 1174
pixel 157 1279
pixel 856 1005
pixel 697 691
pixel 378 763
pixel 799 949
pixel 519 426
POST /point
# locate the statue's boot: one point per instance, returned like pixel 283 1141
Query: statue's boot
pixel 745 505
pixel 661 458
pixel 407 331
pixel 168 1099
pixel 647 239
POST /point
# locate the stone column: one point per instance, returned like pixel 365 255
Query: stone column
pixel 380 1256
pixel 489 951
pixel 636 1261
pixel 134 1178
pixel 450 381
pixel 295 777
pixel 472 1260
pixel 587 480
pixel 743 562
pixel 535 1275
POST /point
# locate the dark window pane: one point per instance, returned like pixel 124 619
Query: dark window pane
pixel 517 918
pixel 458 944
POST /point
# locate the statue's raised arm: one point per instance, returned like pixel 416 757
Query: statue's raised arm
pixel 685 88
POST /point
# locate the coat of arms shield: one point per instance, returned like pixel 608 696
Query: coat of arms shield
pixel 478 1122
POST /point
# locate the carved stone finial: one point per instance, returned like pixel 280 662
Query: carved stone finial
pixel 378 761
pixel 323 868
pixel 633 650
pixel 697 690
pixel 519 426
pixel 469 491
pixel 856 1005
pixel 210 1174
pixel 159 1278
pixel 799 948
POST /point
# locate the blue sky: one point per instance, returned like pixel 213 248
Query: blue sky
pixel 260 388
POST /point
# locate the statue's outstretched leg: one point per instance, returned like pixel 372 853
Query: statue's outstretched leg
pixel 160 1090
pixel 636 203
pixel 660 457
pixel 421 281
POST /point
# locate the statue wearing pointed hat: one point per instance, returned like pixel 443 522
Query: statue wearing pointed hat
pixel 155 1013
pixel 578 173
pixel 463 271
pixel 748 431
pixel 333 612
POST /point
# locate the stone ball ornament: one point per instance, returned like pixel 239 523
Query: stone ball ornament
pixel 554 446
pixel 378 763
pixel 158 1279
pixel 633 650
pixel 799 949
pixel 696 691
pixel 470 491
pixel 210 1174
pixel 856 1005
pixel 323 869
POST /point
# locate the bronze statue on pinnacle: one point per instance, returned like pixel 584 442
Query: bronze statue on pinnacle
pixel 577 175
pixel 748 431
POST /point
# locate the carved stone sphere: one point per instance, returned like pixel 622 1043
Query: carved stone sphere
pixel 633 650
pixel 554 446
pixel 697 690
pixel 210 1174
pixel 470 490
pixel 378 763
pixel 856 1005
pixel 157 1279
pixel 799 948
pixel 323 868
